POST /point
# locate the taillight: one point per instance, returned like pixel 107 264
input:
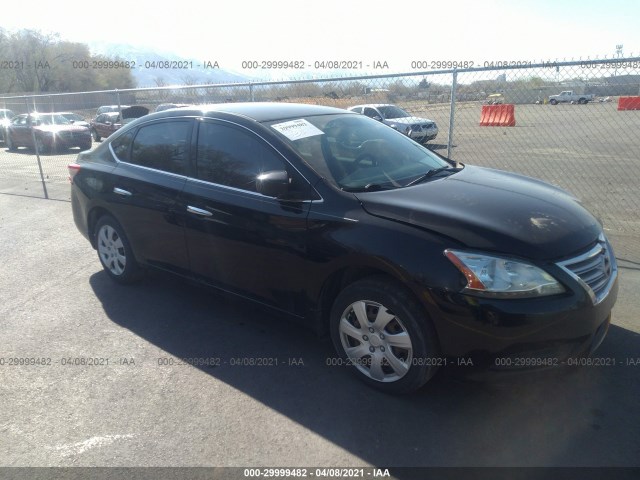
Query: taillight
pixel 74 168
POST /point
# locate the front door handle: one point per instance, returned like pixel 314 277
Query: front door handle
pixel 199 211
pixel 120 191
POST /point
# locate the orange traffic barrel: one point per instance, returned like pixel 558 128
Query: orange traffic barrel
pixel 629 103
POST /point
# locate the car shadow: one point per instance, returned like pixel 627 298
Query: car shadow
pixel 584 416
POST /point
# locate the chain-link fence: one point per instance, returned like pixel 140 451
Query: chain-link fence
pixel 586 141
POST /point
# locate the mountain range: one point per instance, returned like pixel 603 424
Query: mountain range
pixel 154 68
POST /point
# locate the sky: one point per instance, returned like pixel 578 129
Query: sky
pixel 392 32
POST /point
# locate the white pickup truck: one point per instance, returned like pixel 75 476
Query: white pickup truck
pixel 568 97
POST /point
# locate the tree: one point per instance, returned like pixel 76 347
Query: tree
pixel 44 63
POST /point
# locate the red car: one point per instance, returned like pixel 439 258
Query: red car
pixel 106 123
pixel 49 131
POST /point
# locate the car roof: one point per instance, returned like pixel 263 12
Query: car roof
pixel 258 111
pixel 374 105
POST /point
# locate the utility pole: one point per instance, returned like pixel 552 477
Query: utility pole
pixel 618 55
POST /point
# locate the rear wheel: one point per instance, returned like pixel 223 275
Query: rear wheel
pixel 115 251
pixel 95 135
pixel 380 330
pixel 553 101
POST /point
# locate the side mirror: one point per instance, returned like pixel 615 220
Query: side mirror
pixel 377 117
pixel 273 184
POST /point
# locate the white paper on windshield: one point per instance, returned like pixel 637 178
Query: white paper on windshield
pixel 297 129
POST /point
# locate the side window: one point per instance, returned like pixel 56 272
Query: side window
pixel 370 112
pixel 121 146
pixel 357 109
pixel 230 156
pixel 163 146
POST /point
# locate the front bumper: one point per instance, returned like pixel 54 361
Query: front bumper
pixel 423 135
pixel 522 334
pixel 67 141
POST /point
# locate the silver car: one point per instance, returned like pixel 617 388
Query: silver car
pixel 419 129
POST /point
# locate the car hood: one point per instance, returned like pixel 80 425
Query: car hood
pixel 407 120
pixel 60 128
pixel 492 210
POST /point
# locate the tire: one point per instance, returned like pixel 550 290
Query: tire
pixel 86 146
pixel 553 102
pixel 396 351
pixel 114 251
pixel 582 101
pixel 94 134
pixel 9 143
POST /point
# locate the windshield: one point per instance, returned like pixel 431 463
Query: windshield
pixel 391 111
pixel 51 120
pixel 357 153
pixel 6 114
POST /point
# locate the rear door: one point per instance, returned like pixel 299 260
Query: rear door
pixel 239 240
pixel 151 172
pixel 103 128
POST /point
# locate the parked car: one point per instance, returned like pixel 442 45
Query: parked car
pixel 76 119
pixel 166 106
pixel 495 99
pixel 106 123
pixel 342 223
pixel 49 131
pixel 420 129
pixel 569 97
pixel 110 108
pixel 6 116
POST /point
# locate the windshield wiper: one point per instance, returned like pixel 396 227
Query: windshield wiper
pixel 432 173
pixel 370 187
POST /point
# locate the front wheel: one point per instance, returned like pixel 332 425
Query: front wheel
pixel 380 330
pixel 95 135
pixel 115 251
pixel 553 101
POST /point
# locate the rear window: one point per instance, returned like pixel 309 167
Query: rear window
pixel 162 146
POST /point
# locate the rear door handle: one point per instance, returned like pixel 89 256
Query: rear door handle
pixel 199 211
pixel 122 192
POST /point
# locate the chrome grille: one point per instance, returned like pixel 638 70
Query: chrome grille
pixel 595 270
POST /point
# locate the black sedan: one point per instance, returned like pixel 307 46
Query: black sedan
pixel 408 260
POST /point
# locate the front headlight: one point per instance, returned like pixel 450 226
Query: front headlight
pixel 497 277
